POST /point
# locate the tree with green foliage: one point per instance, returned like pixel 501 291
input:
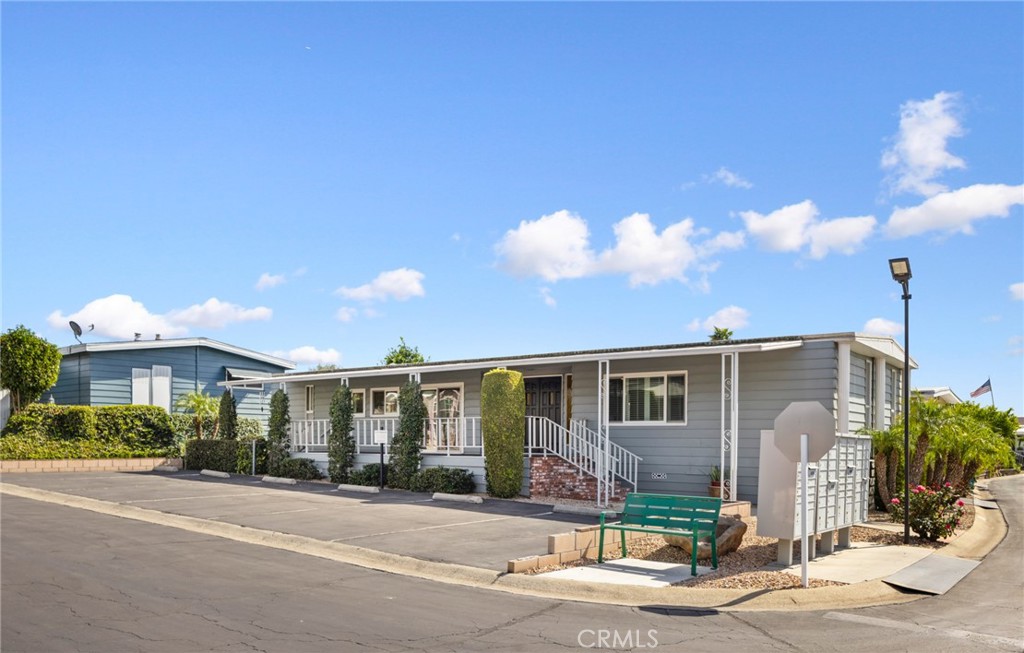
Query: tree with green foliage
pixel 29 365
pixel 403 354
pixel 228 417
pixel 721 334
pixel 407 445
pixel 341 446
pixel 277 432
pixel 202 407
pixel 503 421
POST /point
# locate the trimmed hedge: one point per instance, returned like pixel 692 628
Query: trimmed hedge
pixel 244 457
pixel 368 475
pixel 503 422
pixel 407 444
pixel 220 455
pixel 451 480
pixel 250 428
pixel 54 432
pixel 301 469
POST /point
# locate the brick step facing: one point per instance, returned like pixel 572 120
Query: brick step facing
pixel 551 476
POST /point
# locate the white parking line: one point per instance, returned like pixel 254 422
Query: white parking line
pixel 285 512
pixel 197 496
pixel 430 528
pixel 1012 644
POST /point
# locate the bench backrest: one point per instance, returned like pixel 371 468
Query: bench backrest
pixel 671 511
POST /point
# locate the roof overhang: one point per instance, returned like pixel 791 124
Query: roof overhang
pixel 172 343
pixel 526 361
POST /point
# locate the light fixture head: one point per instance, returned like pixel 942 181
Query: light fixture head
pixel 900 269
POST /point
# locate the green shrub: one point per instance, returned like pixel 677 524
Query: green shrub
pixel 277 433
pixel 368 475
pixel 407 444
pixel 227 415
pixel 219 455
pixel 142 427
pixel 183 428
pixel 503 422
pixel 933 513
pixel 244 458
pixel 301 469
pixel 451 480
pixel 249 428
pixel 73 423
pixel 51 432
pixel 341 446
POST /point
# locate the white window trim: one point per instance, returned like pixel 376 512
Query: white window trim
pixel 310 407
pixel 663 422
pixel 369 408
pixel 361 392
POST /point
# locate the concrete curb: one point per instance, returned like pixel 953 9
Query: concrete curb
pixel 214 473
pixel 365 489
pixel 587 511
pixel 464 498
pixel 278 479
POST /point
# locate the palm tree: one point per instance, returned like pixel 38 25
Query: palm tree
pixel 203 407
pixel 720 334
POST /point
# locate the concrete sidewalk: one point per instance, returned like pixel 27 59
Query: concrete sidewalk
pixel 409 533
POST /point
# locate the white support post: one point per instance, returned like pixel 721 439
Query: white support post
pixel 879 398
pixel 729 426
pixel 603 454
pixel 843 388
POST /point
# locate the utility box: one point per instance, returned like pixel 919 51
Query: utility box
pixel 840 488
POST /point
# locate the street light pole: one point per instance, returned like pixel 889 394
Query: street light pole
pixel 900 268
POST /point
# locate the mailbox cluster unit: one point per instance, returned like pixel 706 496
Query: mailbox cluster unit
pixel 839 492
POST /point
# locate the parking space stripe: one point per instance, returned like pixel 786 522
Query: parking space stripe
pixel 197 496
pixel 430 528
pixel 1012 644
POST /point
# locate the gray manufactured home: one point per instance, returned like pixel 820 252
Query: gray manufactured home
pixel 604 422
pixel 157 372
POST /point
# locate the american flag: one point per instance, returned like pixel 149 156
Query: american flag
pixel 985 387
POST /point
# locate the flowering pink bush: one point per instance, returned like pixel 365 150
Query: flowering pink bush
pixel 933 513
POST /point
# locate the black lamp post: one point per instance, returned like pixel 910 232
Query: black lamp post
pixel 900 268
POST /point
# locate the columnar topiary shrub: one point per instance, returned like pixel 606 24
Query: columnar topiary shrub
pixel 341 446
pixel 228 417
pixel 277 432
pixel 408 441
pixel 503 420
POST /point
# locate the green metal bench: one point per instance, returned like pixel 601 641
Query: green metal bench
pixel 667 514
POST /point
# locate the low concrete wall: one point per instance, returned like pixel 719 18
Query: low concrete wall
pixel 99 465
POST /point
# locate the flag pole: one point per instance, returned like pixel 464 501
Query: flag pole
pixel 991 394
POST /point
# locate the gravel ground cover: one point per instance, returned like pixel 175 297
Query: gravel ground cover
pixel 745 568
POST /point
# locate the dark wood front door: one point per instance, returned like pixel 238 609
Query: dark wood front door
pixel 544 398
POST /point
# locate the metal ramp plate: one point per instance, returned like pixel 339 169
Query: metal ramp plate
pixel 936 574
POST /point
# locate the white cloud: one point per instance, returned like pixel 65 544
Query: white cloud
pixel 955 211
pixel 843 235
pixel 120 316
pixel 792 227
pixel 882 327
pixel 215 314
pixel 553 247
pixel 918 154
pixel 310 355
pixel 730 317
pixel 268 280
pixel 725 176
pixel 557 246
pixel 346 314
pixel 400 285
pixel 1017 291
pixel 549 300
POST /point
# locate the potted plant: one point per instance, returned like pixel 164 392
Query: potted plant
pixel 715 484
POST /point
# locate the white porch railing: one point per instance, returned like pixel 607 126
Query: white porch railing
pixel 448 435
pixel 581 447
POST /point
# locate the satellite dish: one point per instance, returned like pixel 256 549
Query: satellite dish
pixel 77 330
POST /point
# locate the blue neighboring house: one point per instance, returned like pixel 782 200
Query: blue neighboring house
pixel 157 372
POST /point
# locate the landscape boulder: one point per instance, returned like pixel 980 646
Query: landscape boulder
pixel 730 534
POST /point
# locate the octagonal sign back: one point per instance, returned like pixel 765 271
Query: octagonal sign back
pixel 808 417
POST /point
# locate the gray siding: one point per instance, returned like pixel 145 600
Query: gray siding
pixel 859 399
pixel 104 378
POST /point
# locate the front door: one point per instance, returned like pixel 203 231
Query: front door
pixel 544 398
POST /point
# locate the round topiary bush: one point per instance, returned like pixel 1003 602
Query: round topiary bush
pixel 503 421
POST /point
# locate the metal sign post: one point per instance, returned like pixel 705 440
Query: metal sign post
pixel 804 431
pixel 380 436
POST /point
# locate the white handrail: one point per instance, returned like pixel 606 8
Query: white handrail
pixel 581 447
pixel 449 435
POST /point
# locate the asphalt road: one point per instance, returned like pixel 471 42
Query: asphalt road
pixel 74 580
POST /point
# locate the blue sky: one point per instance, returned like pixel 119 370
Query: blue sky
pixel 318 179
